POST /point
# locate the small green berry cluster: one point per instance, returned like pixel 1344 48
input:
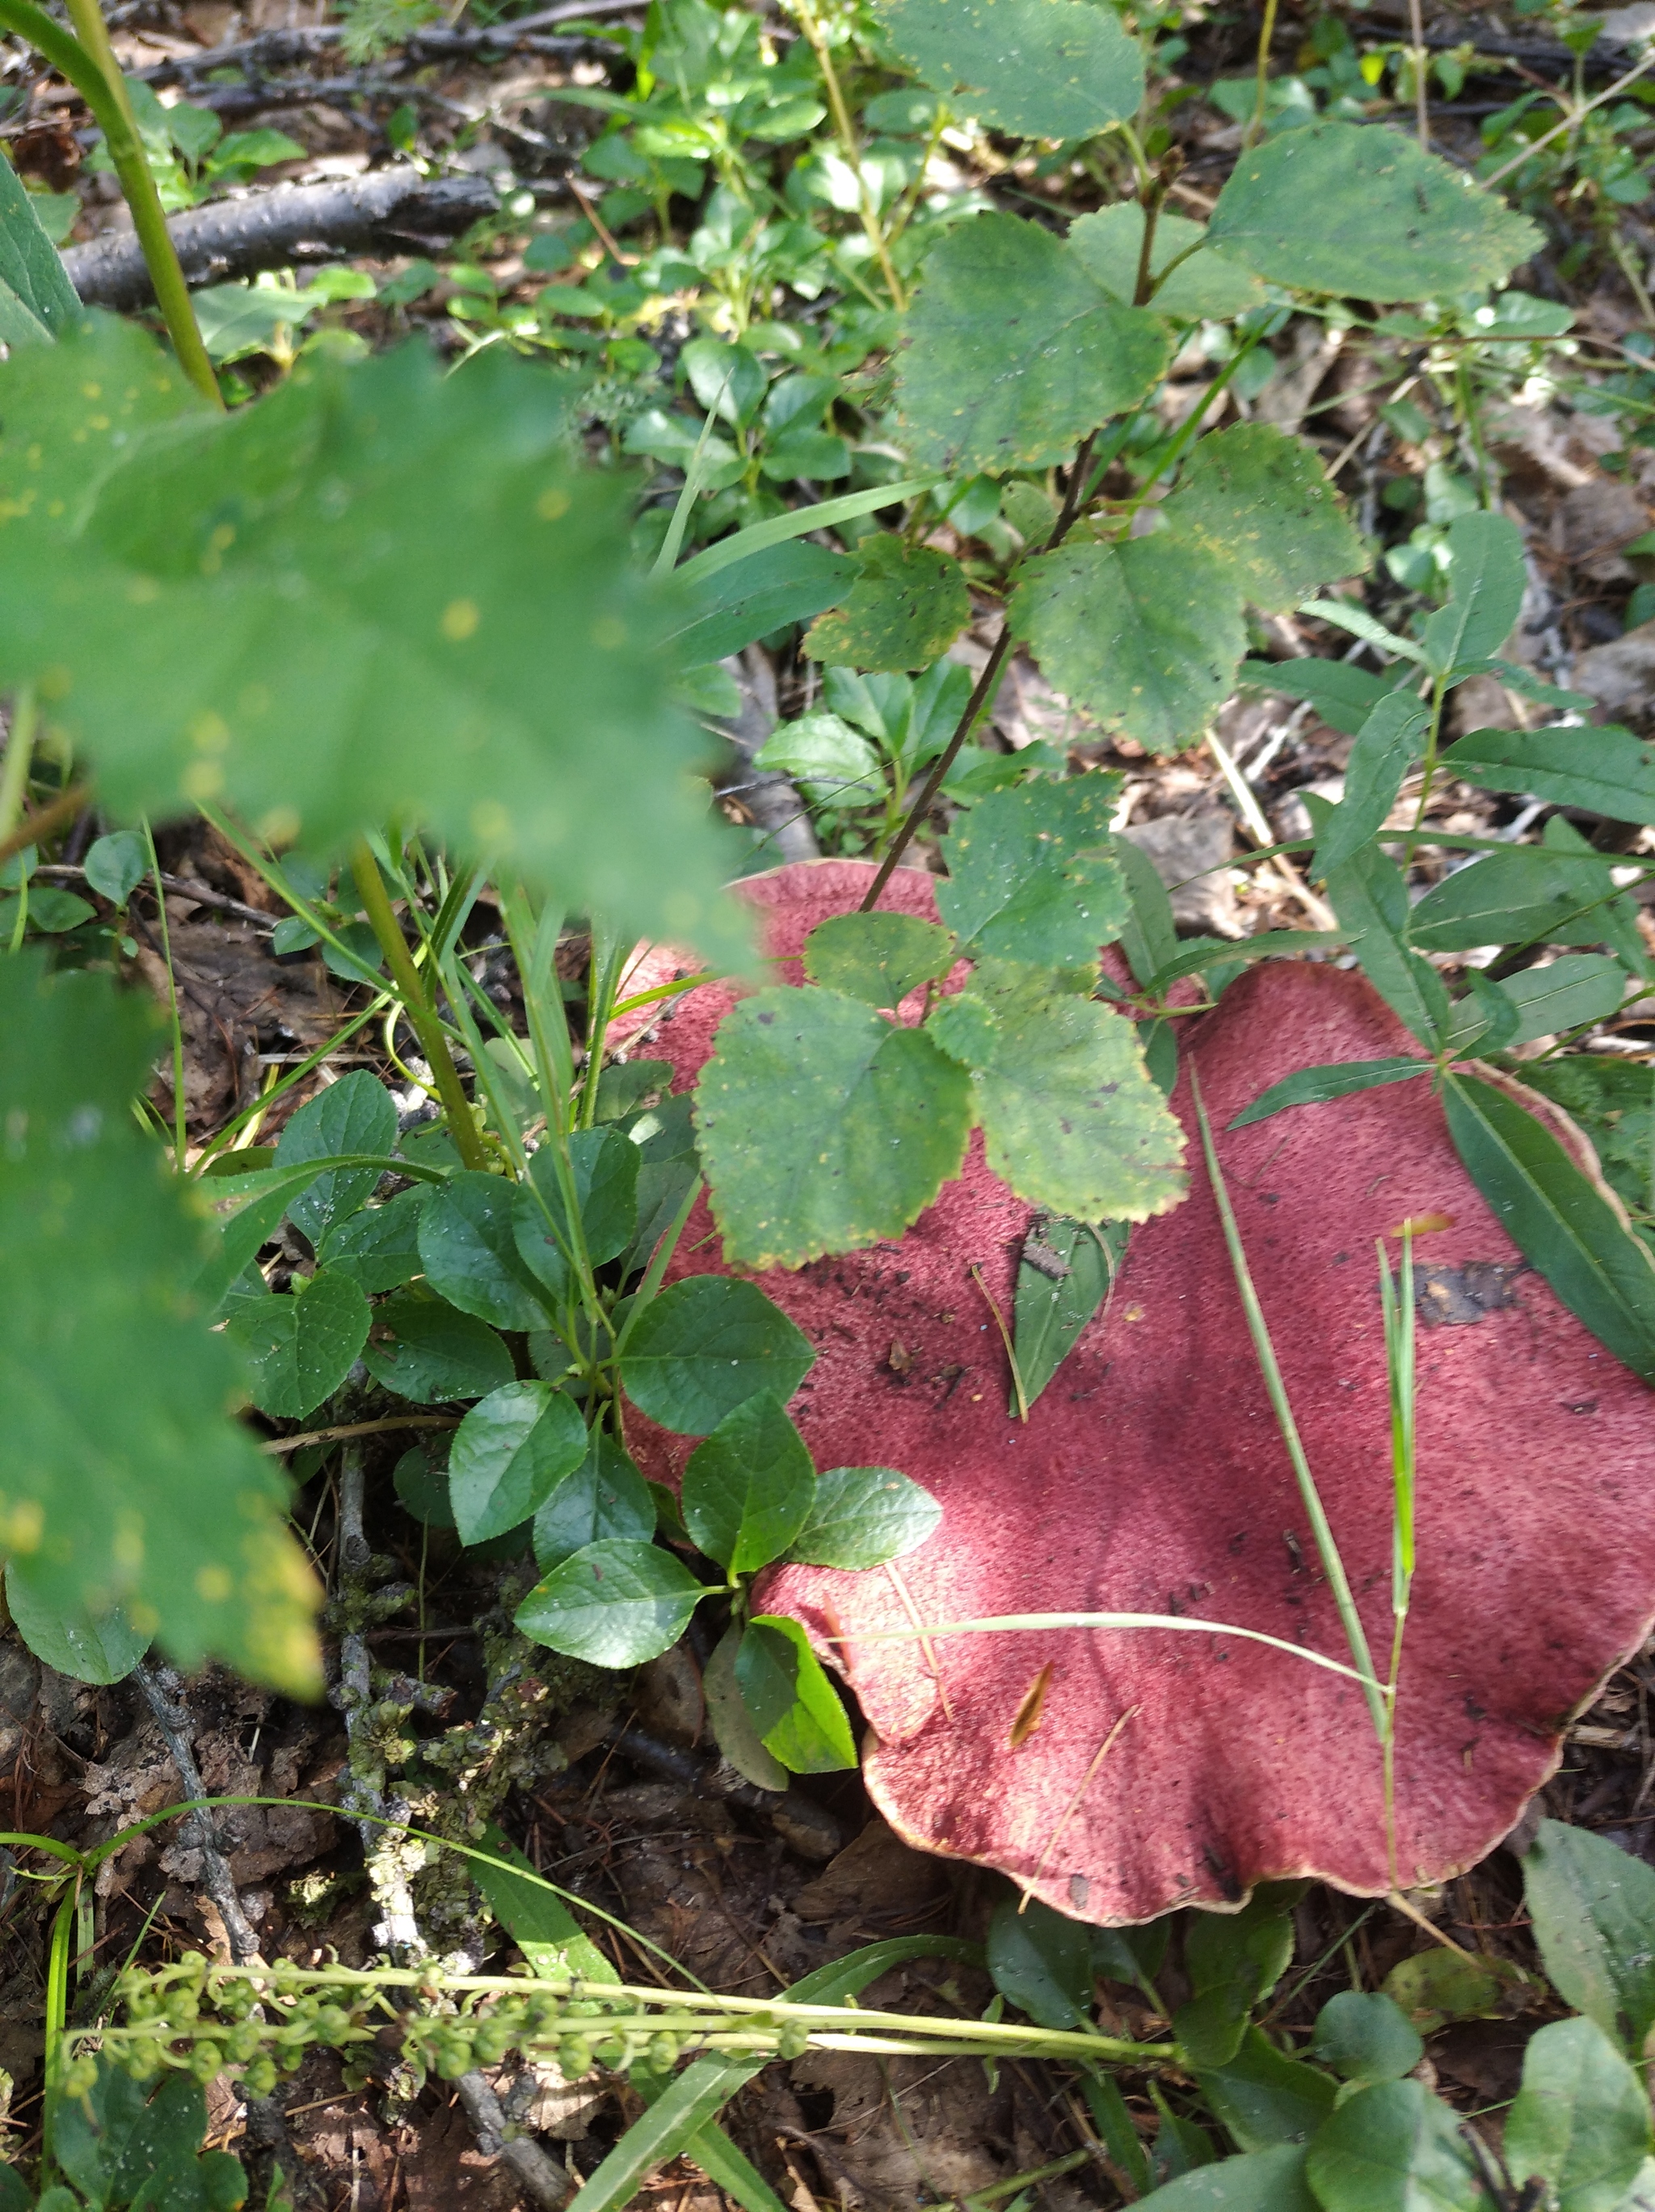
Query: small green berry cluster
pixel 258 2023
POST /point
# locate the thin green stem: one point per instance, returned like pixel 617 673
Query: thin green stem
pixel 19 755
pixel 1267 33
pixel 422 1015
pixel 89 62
pixel 57 2016
pixel 1327 1550
pixel 842 124
pixel 180 1117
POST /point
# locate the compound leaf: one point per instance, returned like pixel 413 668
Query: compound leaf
pixel 1036 68
pixel 1033 873
pixel 824 1126
pixel 1111 243
pixel 1146 634
pixel 877 958
pixel 1070 1117
pixel 1015 350
pixel 1384 745
pixel 1363 212
pixel 1260 502
pixel 903 611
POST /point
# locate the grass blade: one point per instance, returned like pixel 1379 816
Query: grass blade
pixel 822 516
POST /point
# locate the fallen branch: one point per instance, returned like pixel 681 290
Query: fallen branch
pixel 388 211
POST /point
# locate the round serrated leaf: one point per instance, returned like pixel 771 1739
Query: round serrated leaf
pixel 904 611
pixel 824 1128
pixel 615 1604
pixel 703 1347
pixel 864 1515
pixel 427 1350
pixel 301 1344
pixel 1037 69
pixel 748 1487
pixel 1015 350
pixel 508 1455
pixel 1360 212
pixel 1260 502
pixel 1146 634
pixel 468 1245
pixel 877 958
pixel 1033 873
pixel 88 1647
pixel 605 1496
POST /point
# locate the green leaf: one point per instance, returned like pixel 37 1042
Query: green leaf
pixel 1394 2148
pixel 1263 2181
pixel 747 1487
pixel 302 1345
pixel 1613 1101
pixel 1562 994
pixel 836 766
pixel 1486 581
pixel 669 1164
pixel 1580 2122
pixel 1365 2037
pixel 1562 1223
pixel 110 2142
pixel 614 1604
pixel 121 1477
pixel 322 528
pixel 1015 351
pixel 1233 1960
pixel 796 1709
pixel 116 865
pixel 1199 953
pixel 732 1726
pixel 378 1247
pixel 50 911
pixel 1600 768
pixel 1064 1277
pixel 425 1349
pixel 1260 502
pixel 1035 69
pixel 1041 1962
pixel 877 958
pixel 1070 1117
pixel 824 1126
pixel 468 1245
pixel 1593 1907
pixel 29 267
pixel 88 1647
pixel 1110 244
pixel 604 1164
pixel 906 608
pixel 536 1918
pixel 766 592
pixel 1344 696
pixel 758 536
pixel 1434 1987
pixel 728 379
pixel 1149 937
pixel 1341 1078
pixel 1145 634
pixel 1360 212
pixel 705 1346
pixel 1371 899
pixel 356 1114
pixel 1387 742
pixel 604 1497
pixel 1033 873
pixel 423 1488
pixel 509 1453
pixel 1263 2098
pixel 861 1517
